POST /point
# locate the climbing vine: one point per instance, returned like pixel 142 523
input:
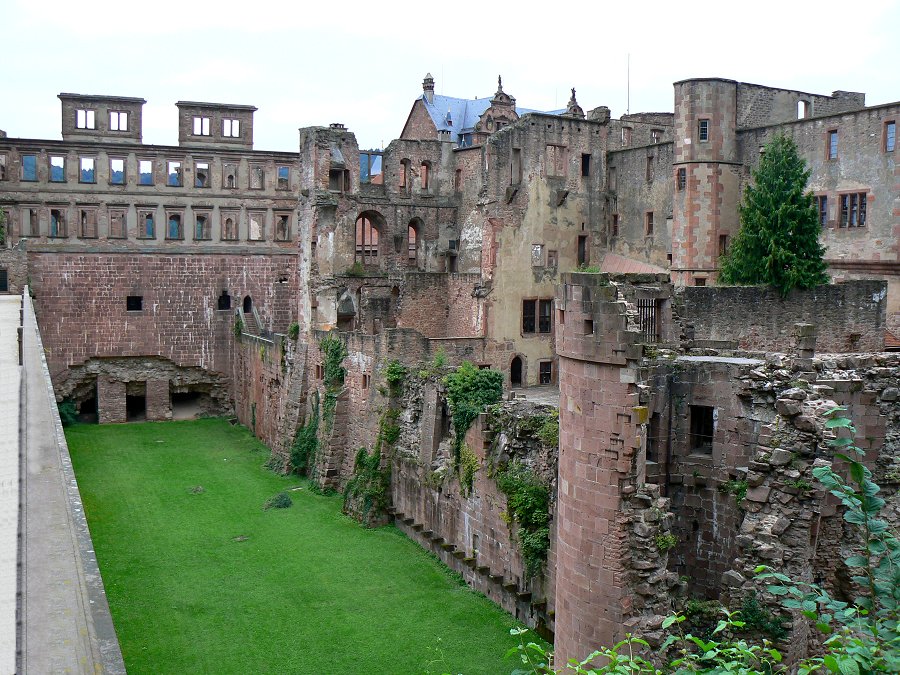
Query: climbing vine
pixel 528 506
pixel 469 391
pixel 334 351
pixel 306 442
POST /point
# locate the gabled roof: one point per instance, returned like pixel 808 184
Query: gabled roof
pixel 464 112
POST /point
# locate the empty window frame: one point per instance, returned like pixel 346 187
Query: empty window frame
pixel 117 223
pixel 656 135
pixel 283 174
pixel 552 259
pixel 585 165
pixel 403 178
pixel 649 169
pixel 545 372
pixel 201 174
pixel 702 428
pixel 612 179
pixel 57 223
pixel 145 172
pixel 256 230
pixel 370 167
pixel 537 316
pixel 116 171
pixel 174 176
pixel 202 226
pixel 146 224
pixel 457 181
pixel 412 247
pixel 282 227
pixel 583 256
pixel 832 150
pixel 230 226
pixel 87 223
pixel 614 226
pixel 649 319
pixel 118 120
pixel 29 168
pixel 4 172
pixel 231 128
pixel 648 223
pixel 201 126
pixel 87 170
pixel 257 177
pixel 681 179
pixel 366 239
pixel 174 225
pixel 4 280
pixel 853 210
pixel 545 316
pixel 134 303
pixel 57 169
pixel 515 167
pixel 703 130
pixel 425 176
pixel 626 136
pixel 85 119
pixel 723 244
pixel 822 208
pixel 28 224
pixel 229 175
pixel 890 136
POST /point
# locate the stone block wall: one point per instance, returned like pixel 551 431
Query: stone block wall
pixel 15 263
pixel 159 405
pixel 848 317
pixel 110 400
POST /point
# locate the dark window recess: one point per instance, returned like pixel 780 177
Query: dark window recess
pixel 134 303
pixel 515 372
pixel 702 424
pixel 582 249
pixel 585 165
pixel 224 301
pixel 822 206
pixel 681 179
pixel 653 439
pixel 545 316
pixel 545 372
pixel 648 319
pixel 4 281
pixel 528 316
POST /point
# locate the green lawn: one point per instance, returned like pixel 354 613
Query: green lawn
pixel 308 591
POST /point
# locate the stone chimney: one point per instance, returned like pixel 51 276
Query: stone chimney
pixel 428 88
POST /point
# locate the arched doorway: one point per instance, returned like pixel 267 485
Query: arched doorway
pixel 515 372
pixel 248 304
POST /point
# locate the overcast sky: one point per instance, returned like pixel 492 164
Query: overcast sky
pixel 362 63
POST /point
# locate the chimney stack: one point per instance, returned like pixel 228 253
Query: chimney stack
pixel 428 88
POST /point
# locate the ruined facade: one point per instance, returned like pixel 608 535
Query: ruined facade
pixel 202 278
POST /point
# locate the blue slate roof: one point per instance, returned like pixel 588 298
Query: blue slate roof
pixel 464 112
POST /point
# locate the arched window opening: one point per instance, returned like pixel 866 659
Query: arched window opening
pixel 425 176
pixel 413 248
pixel 174 231
pixel 366 239
pixel 248 304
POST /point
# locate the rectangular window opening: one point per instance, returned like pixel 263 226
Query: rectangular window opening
pixel 284 177
pixel 545 372
pixel 88 170
pixel 545 316
pixel 723 244
pixel 174 174
pixel 832 144
pixel 703 131
pixel 117 223
pixel 201 126
pixel 282 227
pixel 145 172
pixel 57 169
pixel 649 224
pixel 890 136
pixel 822 208
pixel 134 303
pixel 29 168
pixel 681 179
pixel 231 128
pixel 529 315
pixel 257 177
pixel 585 165
pixel 87 223
pixel 582 249
pixel 202 228
pixel 588 327
pixel 118 121
pixel 201 174
pixel 649 319
pixel 116 171
pixel 702 427
pixel 85 119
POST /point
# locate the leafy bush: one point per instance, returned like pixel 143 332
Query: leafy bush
pixel 468 465
pixel 280 501
pixel 549 430
pixel 394 374
pixel 666 541
pixel 469 391
pixel 528 504
pixel 294 330
pixel 68 413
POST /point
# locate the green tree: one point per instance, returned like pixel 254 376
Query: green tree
pixel 778 243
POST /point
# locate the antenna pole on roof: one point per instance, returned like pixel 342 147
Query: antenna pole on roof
pixel 628 79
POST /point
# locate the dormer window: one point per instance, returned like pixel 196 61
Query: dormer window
pixel 118 121
pixel 201 126
pixel 231 128
pixel 85 119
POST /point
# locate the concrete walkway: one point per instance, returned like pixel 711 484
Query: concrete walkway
pixel 64 621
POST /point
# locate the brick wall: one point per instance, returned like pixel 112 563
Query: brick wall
pixel 848 317
pixel 16 266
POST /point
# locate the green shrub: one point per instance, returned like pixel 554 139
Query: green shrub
pixel 395 374
pixel 306 442
pixel 294 330
pixel 736 488
pixel 468 465
pixel 549 430
pixel 469 391
pixel 280 501
pixel 335 351
pixel 528 505
pixel 666 541
pixel 238 327
pixel 68 413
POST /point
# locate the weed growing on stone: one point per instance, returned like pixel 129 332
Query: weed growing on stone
pixel 736 488
pixel 528 504
pixel 468 465
pixel 294 330
pixel 280 501
pixel 666 541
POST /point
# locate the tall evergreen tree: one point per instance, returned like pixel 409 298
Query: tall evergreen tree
pixel 778 243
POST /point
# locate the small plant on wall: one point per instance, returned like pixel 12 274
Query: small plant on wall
pixel 528 506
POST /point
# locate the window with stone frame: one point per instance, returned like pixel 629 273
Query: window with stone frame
pixel 890 136
pixel 425 176
pixel 545 372
pixel 703 130
pixel 29 168
pixel 57 223
pixel 656 135
pixel 202 177
pixel 231 128
pixel 853 210
pixel 537 316
pixel 681 179
pixel 85 119
pixel 626 136
pixel 87 223
pixel 257 177
pixel 118 120
pixel 201 126
pixel 702 421
pixel 28 223
pixel 282 226
pixel 145 172
pixel 146 224
pixel 202 225
pixel 256 229
pixel 229 225
pixel 229 175
pixel 822 208
pixel 57 168
pixel 283 174
pixel 648 223
pixel 117 220
pixel 117 171
pixel 4 171
pixel 832 149
pixel 174 225
pixel 174 174
pixel 649 169
pixel 87 170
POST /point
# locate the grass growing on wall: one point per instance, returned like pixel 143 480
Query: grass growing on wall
pixel 201 578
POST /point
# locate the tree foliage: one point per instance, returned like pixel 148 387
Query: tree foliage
pixel 778 243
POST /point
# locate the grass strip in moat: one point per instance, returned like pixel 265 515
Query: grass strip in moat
pixel 200 579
